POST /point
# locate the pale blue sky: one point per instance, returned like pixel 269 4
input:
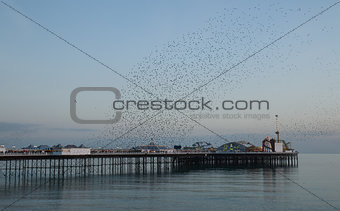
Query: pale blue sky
pixel 299 75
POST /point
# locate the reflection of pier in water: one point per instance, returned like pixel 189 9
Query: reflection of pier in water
pixel 18 167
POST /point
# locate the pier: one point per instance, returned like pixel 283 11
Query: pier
pixel 61 166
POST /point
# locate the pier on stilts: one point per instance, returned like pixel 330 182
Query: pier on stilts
pixel 16 167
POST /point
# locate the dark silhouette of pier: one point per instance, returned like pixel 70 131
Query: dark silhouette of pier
pixel 16 167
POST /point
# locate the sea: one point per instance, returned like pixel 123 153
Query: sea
pixel 313 185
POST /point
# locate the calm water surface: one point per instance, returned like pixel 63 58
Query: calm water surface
pixel 208 189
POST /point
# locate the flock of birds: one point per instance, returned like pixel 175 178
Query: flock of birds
pixel 178 67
